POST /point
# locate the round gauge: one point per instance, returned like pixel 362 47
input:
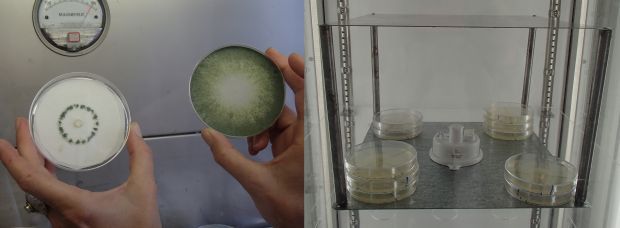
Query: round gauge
pixel 71 27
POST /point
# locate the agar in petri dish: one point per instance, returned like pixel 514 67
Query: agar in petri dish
pixel 381 159
pixel 237 91
pixel 540 179
pixel 397 124
pixel 79 121
pixel 508 121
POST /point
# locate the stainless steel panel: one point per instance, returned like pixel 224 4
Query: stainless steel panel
pixel 193 189
pixel 149 53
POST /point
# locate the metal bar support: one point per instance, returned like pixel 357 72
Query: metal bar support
pixel 529 57
pixel 333 117
pixel 595 100
pixel 376 95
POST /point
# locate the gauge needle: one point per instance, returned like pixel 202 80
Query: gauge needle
pixel 86 15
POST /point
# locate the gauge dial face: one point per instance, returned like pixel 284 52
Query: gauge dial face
pixel 71 27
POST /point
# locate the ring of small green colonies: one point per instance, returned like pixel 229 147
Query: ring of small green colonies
pixel 73 139
pixel 257 103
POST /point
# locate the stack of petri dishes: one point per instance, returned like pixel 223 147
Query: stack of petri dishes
pixel 382 171
pixel 508 121
pixel 540 179
pixel 397 124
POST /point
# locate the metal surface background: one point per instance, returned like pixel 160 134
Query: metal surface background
pixel 149 53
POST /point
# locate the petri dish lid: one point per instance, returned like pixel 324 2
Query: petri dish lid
pixel 381 159
pixel 537 198
pixel 397 119
pixel 79 121
pixel 517 129
pixel 540 173
pixel 509 113
pixel 380 198
pixel 382 185
pixel 237 91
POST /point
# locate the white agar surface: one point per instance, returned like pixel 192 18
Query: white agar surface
pixel 111 115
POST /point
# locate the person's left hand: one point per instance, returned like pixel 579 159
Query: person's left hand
pixel 132 204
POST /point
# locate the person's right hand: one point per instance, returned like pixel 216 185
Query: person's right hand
pixel 277 186
pixel 133 204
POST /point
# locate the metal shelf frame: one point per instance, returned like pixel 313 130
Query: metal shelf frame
pixel 339 106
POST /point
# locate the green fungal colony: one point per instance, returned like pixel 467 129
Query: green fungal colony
pixel 78 139
pixel 237 91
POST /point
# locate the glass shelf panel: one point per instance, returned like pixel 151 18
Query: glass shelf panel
pixel 480 186
pixel 454 21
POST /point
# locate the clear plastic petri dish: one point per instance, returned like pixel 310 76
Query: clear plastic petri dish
pixel 502 127
pixel 397 124
pixel 507 135
pixel 380 198
pixel 382 185
pixel 79 121
pixel 381 159
pixel 540 174
pixel 539 199
pixel 237 91
pixel 508 113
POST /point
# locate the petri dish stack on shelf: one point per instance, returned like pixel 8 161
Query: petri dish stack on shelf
pixel 382 171
pixel 508 121
pixel 540 179
pixel 397 124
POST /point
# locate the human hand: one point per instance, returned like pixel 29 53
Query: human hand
pixel 277 186
pixel 132 204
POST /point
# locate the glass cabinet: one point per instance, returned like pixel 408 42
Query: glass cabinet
pixel 476 84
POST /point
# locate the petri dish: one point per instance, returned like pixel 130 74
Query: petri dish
pixel 502 135
pixel 381 159
pixel 397 124
pixel 529 174
pixel 79 121
pixel 383 198
pixel 538 199
pixel 382 185
pixel 509 113
pixel 237 91
pixel 502 127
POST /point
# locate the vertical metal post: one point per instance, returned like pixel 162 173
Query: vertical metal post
pixel 595 98
pixel 354 218
pixel 333 117
pixel 376 95
pixel 529 57
pixel 548 80
pixel 344 33
pixel 549 71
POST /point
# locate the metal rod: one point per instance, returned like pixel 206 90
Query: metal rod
pixel 529 57
pixel 346 72
pixel 354 217
pixel 549 71
pixel 595 100
pixel 535 218
pixel 333 117
pixel 376 95
pixel 548 80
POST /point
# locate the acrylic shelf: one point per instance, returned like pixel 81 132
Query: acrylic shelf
pixel 480 186
pixel 455 21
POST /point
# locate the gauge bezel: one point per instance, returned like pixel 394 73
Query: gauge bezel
pixel 55 48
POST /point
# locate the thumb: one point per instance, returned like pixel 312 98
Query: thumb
pixel 140 156
pixel 225 154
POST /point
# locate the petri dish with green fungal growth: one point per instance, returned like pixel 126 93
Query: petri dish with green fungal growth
pixel 79 121
pixel 237 91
